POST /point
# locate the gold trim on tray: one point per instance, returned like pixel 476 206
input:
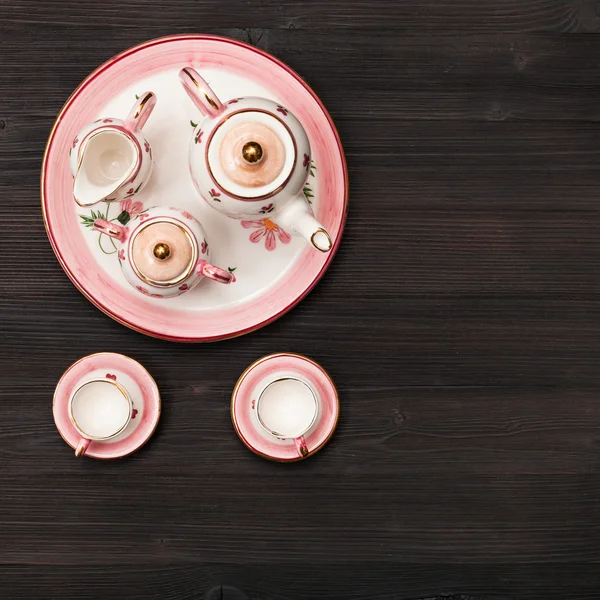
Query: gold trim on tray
pixel 117 57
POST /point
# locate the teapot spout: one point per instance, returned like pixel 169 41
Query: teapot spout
pixel 313 232
pixel 296 216
pixel 107 159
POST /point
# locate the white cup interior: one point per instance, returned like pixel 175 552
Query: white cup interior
pixel 287 408
pixel 109 157
pixel 100 409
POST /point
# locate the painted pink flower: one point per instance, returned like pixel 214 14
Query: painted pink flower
pixel 198 138
pixel 132 207
pixel 111 376
pixel 75 140
pixel 134 412
pixel 204 247
pixel 144 216
pixel 144 291
pixel 269 230
pixel 305 161
pixel 107 121
pixel 121 254
pixel 234 101
pixel 146 146
pixel 282 110
pixel 266 209
pixel 183 287
pixel 187 215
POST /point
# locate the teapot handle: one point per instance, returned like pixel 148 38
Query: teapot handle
pixel 111 229
pixel 140 112
pixel 200 93
pixel 215 273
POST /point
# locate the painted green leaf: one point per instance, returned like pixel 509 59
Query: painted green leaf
pixel 137 189
pixel 137 97
pixel 231 269
pixel 193 124
pixel 124 218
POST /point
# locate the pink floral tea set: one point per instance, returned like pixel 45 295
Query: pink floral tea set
pixel 190 180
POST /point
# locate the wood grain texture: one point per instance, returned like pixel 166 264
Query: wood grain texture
pixel 466 464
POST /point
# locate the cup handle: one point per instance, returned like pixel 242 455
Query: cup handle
pixel 301 446
pixel 82 446
pixel 139 114
pixel 200 93
pixel 111 229
pixel 215 273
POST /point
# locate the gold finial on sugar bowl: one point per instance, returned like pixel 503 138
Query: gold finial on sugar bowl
pixel 162 251
pixel 252 152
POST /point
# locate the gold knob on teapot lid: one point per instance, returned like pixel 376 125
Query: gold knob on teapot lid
pixel 252 152
pixel 162 251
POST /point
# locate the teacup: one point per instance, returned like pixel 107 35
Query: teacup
pixel 287 408
pixel 99 409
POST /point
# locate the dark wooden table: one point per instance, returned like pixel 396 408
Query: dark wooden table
pixel 460 320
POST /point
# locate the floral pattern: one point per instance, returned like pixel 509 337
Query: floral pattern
pixel 266 209
pixel 187 215
pixel 143 217
pixel 204 247
pixel 134 413
pixel 268 230
pixel 129 209
pixel 214 195
pixel 121 255
pixel 233 101
pixel 111 376
pixel 198 138
pixel 284 111
pixel 231 270
pixel 75 140
pixel 144 291
pixel 184 287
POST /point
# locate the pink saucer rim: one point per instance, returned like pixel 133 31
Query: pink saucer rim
pixel 243 376
pixel 158 412
pixel 113 315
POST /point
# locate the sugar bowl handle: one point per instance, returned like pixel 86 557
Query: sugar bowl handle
pixel 111 229
pixel 140 112
pixel 200 93
pixel 215 273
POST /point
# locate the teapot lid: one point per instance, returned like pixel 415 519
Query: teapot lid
pixel 251 154
pixel 163 253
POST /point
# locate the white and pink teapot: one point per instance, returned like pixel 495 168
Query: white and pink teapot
pixel 110 159
pixel 250 158
pixel 163 252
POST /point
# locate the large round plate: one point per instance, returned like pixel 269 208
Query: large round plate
pixel 273 273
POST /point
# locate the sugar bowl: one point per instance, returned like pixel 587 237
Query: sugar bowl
pixel 163 252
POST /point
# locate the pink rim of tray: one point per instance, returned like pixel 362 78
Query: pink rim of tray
pixel 270 368
pixel 114 365
pixel 66 237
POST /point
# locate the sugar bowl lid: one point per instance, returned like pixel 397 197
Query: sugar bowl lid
pixel 251 154
pixel 163 253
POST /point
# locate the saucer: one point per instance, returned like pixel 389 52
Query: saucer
pixel 134 378
pixel 267 370
pixel 273 270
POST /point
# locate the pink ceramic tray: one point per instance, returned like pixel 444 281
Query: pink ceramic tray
pixel 273 271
